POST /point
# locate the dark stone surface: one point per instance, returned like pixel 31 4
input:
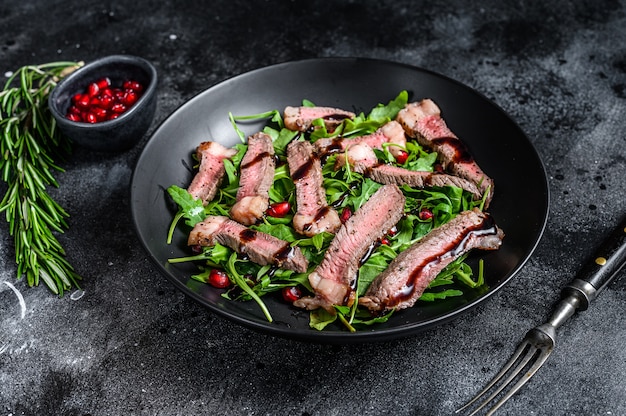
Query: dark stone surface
pixel 134 345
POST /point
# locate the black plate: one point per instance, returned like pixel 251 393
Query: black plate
pixel 520 206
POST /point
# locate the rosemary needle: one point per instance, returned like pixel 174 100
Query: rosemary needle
pixel 29 144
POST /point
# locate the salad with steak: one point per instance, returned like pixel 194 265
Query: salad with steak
pixel 350 217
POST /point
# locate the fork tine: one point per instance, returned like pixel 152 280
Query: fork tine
pixel 518 352
pixel 543 356
pixel 531 351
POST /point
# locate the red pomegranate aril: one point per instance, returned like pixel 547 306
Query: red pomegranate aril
pixel 91 118
pixel 291 294
pixel 130 98
pixel 93 89
pixel 118 108
pixel 425 214
pixel 95 102
pixel 106 101
pixel 218 278
pixel 133 85
pixel 103 83
pixel 402 157
pixel 384 241
pixel 346 213
pixel 76 97
pixel 101 113
pixel 83 101
pixel 74 117
pixel 113 116
pixel 279 209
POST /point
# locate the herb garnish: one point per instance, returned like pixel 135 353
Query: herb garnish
pixel 29 143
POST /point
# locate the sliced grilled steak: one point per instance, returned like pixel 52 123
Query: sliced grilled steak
pixel 391 132
pixel 410 273
pixel 313 214
pixel 300 118
pixel 422 121
pixel 394 174
pixel 255 179
pixel 211 171
pixel 363 160
pixel 333 280
pixel 260 248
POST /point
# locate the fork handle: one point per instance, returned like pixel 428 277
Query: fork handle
pixel 601 269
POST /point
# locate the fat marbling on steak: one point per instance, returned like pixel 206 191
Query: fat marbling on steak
pixel 410 273
pixel 422 120
pixel 211 171
pixel 259 247
pixel 334 279
pixel 255 179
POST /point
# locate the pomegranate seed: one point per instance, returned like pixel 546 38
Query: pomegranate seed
pixel 93 89
pixel 76 97
pixel 425 214
pixel 218 279
pixel 346 213
pixel 384 241
pixel 118 108
pixel 106 101
pixel 113 116
pixel 392 231
pixel 101 113
pixel 91 118
pixel 107 92
pixel 103 83
pixel 74 117
pixel 130 98
pixel 402 157
pixel 133 85
pixel 291 294
pixel 279 209
pixel 83 101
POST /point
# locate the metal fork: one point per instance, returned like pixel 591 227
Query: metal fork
pixel 539 342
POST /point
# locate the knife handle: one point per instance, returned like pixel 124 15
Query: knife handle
pixel 601 269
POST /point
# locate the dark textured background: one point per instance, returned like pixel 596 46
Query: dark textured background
pixel 134 345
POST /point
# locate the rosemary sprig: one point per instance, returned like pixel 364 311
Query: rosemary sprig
pixel 29 142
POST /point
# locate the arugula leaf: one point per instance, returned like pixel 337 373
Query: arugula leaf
pixel 192 209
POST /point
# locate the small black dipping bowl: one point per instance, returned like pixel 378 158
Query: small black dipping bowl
pixel 115 135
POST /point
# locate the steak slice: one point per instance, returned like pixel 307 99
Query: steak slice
pixel 301 118
pixel 392 132
pixel 335 277
pixel 388 174
pixel 211 171
pixel 410 273
pixel 259 247
pixel 313 214
pixel 363 159
pixel 255 179
pixel 422 121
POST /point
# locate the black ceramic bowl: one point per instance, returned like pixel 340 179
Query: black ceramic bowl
pixel 115 135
